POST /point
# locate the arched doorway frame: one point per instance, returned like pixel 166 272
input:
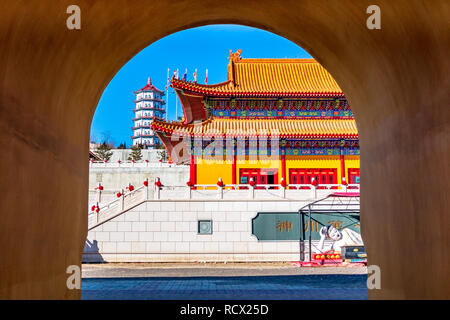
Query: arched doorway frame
pixel 398 100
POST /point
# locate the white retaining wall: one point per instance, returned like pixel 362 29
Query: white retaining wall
pixel 116 178
pixel 166 231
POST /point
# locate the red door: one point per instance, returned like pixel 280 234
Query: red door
pixel 271 176
pixel 259 176
pixel 323 178
pixel 294 177
pixel 304 176
pixel 316 175
pixel 353 177
pixel 246 174
pixel 262 178
pixel 332 177
pixel 299 176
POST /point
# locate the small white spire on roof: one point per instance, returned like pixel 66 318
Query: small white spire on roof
pixel 149 81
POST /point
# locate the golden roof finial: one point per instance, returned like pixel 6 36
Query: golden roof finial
pixel 236 56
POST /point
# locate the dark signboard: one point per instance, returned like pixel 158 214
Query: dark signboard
pixel 276 226
pixel 281 226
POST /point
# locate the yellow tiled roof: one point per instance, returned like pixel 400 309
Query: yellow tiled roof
pixel 256 77
pixel 293 127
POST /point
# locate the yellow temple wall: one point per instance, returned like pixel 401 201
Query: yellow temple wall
pixel 210 170
pixel 310 162
pixel 247 163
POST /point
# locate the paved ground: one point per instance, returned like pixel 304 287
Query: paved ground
pixel 120 270
pixel 238 281
pixel 310 287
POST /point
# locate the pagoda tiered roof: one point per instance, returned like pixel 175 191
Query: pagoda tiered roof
pixel 148 87
pixel 284 128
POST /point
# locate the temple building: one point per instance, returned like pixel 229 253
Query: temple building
pixel 277 119
pixel 149 104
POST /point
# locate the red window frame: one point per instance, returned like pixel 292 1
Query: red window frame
pixel 353 173
pixel 305 175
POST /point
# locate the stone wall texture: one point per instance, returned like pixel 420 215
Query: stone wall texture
pixel 167 231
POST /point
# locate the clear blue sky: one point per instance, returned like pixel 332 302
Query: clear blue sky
pixel 202 48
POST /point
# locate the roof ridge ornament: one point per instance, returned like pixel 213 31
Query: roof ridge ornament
pixel 149 81
pixel 235 56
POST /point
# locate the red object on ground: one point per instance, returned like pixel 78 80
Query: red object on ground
pixel 118 194
pixel 344 194
pixel 307 263
pixel 326 256
pixel 131 187
pixel 146 183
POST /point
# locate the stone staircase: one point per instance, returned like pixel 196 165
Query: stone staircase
pixel 119 206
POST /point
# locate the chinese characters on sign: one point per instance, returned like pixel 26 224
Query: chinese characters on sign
pixel 287 225
pixel 292 226
pixel 284 225
pixel 314 224
pixel 336 224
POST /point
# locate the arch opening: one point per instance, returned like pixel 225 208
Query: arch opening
pixel 303 148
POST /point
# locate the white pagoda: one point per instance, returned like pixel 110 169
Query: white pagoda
pixel 149 104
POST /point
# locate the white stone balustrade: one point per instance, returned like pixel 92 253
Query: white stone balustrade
pixel 206 192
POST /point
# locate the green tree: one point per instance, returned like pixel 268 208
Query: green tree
pixel 136 153
pixel 104 151
pixel 123 145
pixel 162 154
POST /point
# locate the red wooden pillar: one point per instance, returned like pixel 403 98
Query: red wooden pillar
pixel 193 170
pixel 283 165
pixel 342 166
pixel 233 169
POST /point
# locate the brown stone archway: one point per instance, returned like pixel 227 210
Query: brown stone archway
pixel 396 80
